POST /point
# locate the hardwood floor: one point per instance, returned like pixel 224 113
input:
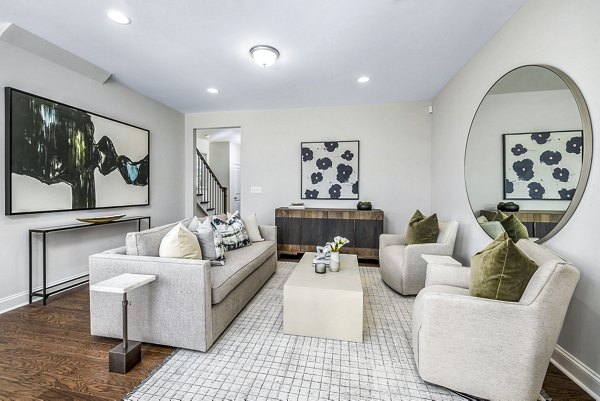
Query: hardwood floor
pixel 47 353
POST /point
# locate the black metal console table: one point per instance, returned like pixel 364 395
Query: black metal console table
pixel 46 290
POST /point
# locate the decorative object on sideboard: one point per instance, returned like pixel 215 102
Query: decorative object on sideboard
pixel 508 207
pixel 542 165
pixel 297 205
pixel 336 247
pixel 329 170
pixel 53 151
pixel 101 219
pixel 364 206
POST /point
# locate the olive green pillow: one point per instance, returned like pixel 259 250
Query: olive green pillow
pixel 514 228
pixel 499 216
pixel 422 229
pixel 501 271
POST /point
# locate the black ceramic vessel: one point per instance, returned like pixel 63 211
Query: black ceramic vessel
pixel 364 206
pixel 508 207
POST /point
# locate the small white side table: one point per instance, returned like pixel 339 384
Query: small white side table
pixel 126 355
pixel 441 260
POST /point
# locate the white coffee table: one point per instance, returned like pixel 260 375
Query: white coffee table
pixel 324 305
pixel 129 353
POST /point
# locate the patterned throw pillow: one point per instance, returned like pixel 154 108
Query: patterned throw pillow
pixel 232 232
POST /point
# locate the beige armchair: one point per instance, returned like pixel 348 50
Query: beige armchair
pixel 402 267
pixel 491 349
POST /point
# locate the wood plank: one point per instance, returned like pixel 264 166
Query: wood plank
pixel 47 352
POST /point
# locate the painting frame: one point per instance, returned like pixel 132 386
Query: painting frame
pixel 142 165
pixel 539 148
pixel 305 174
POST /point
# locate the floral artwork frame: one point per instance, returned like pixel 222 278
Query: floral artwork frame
pixel 542 165
pixel 330 170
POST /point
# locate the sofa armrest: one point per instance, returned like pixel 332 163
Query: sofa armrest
pixel 391 239
pixel 455 276
pixel 269 233
pixel 122 250
pixel 175 306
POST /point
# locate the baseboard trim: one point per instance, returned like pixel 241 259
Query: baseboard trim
pixel 577 371
pixel 22 298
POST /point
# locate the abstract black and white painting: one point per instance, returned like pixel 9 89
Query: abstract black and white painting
pixel 542 165
pixel 329 170
pixel 61 158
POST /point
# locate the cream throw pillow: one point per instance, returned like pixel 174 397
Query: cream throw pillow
pixel 252 228
pixel 251 225
pixel 180 243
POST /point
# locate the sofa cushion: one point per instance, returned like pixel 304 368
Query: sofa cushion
pixel 422 229
pixel 239 264
pixel 501 271
pixel 180 243
pixel 147 242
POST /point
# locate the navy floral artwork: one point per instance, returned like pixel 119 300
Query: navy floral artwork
pixel 331 146
pixel 335 191
pixel 343 172
pixel 574 145
pixel 324 163
pixel 542 165
pixel 307 154
pixel 518 150
pixel 347 155
pixel 561 174
pixel 524 169
pixel 329 170
pixel 508 187
pixel 316 178
pixel 311 194
pixel 540 137
pixel 550 158
pixel 566 194
pixel 536 190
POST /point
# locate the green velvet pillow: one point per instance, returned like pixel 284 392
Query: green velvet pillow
pixel 499 216
pixel 514 228
pixel 501 271
pixel 422 229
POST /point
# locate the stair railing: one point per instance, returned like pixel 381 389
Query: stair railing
pixel 209 191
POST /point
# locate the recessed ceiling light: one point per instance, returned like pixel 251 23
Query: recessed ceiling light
pixel 214 91
pixel 118 17
pixel 264 55
pixel 207 136
pixel 363 79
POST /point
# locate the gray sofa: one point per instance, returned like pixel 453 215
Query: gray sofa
pixel 191 303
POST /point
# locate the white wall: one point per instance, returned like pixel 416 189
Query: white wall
pixel 219 161
pixel 506 113
pixel 566 35
pixel 68 251
pixel 394 155
pixel 235 157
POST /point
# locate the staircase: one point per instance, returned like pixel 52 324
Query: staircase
pixel 211 196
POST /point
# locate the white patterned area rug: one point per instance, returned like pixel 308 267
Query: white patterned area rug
pixel 254 361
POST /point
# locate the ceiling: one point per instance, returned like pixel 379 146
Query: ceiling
pixel 174 50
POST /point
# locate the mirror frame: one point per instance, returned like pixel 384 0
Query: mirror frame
pixel 586 126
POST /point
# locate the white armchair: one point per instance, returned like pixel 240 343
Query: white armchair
pixel 486 348
pixel 402 267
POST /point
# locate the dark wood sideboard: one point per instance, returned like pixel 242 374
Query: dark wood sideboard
pixel 301 230
pixel 538 222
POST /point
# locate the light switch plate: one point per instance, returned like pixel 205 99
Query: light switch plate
pixel 255 190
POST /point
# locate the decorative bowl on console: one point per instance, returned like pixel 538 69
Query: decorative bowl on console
pixel 508 207
pixel 364 206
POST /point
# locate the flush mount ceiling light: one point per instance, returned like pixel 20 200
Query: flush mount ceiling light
pixel 363 79
pixel 264 55
pixel 214 91
pixel 118 17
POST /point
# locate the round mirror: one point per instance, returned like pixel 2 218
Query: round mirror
pixel 528 153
